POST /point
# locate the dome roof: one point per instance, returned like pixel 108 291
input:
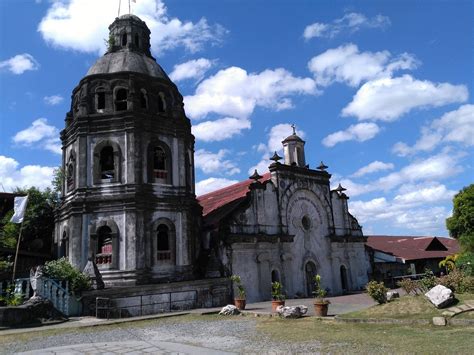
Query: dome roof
pixel 127 61
pixel 293 138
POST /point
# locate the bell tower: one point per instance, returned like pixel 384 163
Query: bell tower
pixel 128 158
pixel 293 150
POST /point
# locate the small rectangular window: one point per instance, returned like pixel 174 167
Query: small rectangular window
pixel 100 100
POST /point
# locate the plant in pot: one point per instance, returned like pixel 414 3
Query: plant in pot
pixel 239 299
pixel 320 304
pixel 278 298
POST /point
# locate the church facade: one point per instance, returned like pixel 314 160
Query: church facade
pixel 129 201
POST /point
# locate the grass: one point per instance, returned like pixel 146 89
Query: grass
pixel 349 338
pixel 406 307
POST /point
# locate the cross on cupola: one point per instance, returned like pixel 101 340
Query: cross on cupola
pixel 293 149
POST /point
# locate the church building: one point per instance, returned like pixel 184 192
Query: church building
pixel 129 202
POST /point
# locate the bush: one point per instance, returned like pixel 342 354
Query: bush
pixel 409 286
pixel 377 291
pixel 277 291
pixel 238 283
pixel 10 298
pixel 465 262
pixel 428 281
pixel 62 270
pixel 458 281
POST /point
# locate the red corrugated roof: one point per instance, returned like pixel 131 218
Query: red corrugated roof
pixel 215 200
pixel 412 247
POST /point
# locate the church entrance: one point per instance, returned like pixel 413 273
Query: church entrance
pixel 344 279
pixel 310 272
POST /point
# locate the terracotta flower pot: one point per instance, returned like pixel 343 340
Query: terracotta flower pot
pixel 276 303
pixel 239 303
pixel 321 309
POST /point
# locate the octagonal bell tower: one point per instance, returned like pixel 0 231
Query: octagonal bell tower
pixel 128 160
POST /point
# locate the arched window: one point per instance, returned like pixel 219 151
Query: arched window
pixel 160 164
pixel 310 271
pixel 121 100
pixel 104 252
pixel 70 176
pixel 136 40
pixel 275 276
pixel 124 39
pixel 165 243
pixel 64 246
pixel 143 99
pixel 161 102
pixel 106 163
pixel 100 99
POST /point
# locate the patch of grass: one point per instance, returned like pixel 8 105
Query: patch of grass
pixel 406 307
pixel 370 338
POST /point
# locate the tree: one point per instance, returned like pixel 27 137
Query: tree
pixel 461 223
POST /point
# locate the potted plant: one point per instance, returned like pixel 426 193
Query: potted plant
pixel 320 304
pixel 239 300
pixel 278 298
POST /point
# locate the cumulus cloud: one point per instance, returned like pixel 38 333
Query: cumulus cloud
pixel 20 63
pixel 387 99
pixel 53 99
pixel 221 129
pixel 275 136
pixel 234 92
pixel 454 127
pixel 193 69
pixel 210 162
pixel 351 22
pixel 212 184
pixel 346 64
pixel 72 25
pixel 40 134
pixel 359 132
pixel 407 209
pixel 12 176
pixel 373 167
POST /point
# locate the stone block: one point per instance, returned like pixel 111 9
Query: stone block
pixel 439 321
pixel 391 295
pixel 229 310
pixel 292 312
pixel 440 296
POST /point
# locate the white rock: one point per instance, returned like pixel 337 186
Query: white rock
pixel 440 296
pixel 229 310
pixel 439 321
pixel 391 295
pixel 291 312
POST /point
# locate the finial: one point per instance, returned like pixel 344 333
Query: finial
pixel 276 157
pixel 255 176
pixel 294 128
pixel 322 167
pixel 340 188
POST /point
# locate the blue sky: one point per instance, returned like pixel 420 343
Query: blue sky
pixel 380 90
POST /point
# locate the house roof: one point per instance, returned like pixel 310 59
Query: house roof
pixel 219 203
pixel 413 247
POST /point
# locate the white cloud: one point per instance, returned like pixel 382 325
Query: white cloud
pixel 373 167
pixel 40 134
pixel 20 63
pixel 408 209
pixel 53 99
pixel 351 22
pixel 82 25
pixel 210 162
pixel 387 99
pixel 11 176
pixel 221 129
pixel 234 92
pixel 359 132
pixel 346 64
pixel 212 184
pixel 276 135
pixel 454 126
pixel 193 69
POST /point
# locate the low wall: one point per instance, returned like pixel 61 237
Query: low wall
pixel 129 301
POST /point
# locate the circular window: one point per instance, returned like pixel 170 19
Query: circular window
pixel 306 222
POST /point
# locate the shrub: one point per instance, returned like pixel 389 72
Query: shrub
pixel 458 281
pixel 465 262
pixel 409 286
pixel 10 298
pixel 238 283
pixel 428 281
pixel 62 270
pixel 377 291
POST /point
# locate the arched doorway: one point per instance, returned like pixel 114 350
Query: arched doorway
pixel 275 276
pixel 310 272
pixel 344 284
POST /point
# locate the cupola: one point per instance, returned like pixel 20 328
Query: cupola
pixel 293 149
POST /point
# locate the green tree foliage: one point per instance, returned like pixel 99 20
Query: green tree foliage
pixel 377 291
pixel 62 270
pixel 461 224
